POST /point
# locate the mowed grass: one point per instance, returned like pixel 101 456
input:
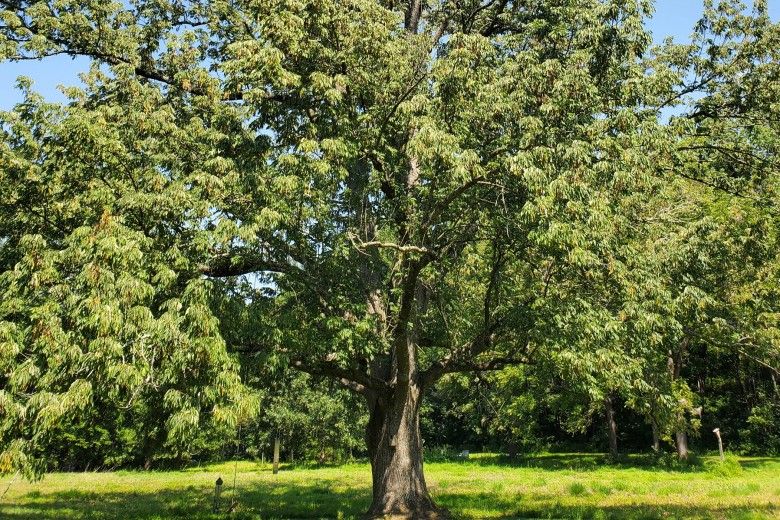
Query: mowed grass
pixel 543 486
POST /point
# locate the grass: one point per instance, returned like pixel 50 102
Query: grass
pixel 583 486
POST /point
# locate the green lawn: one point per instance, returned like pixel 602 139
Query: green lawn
pixel 546 486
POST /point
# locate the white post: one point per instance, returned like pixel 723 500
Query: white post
pixel 716 431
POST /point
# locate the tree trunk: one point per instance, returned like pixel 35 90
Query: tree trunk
pixel 513 450
pixel 611 426
pixel 151 443
pixel 276 455
pixel 675 367
pixel 682 445
pixel 656 438
pixel 395 449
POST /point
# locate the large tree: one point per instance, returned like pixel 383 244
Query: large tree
pixel 389 191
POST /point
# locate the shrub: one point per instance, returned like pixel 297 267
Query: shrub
pixel 729 467
pixel 577 489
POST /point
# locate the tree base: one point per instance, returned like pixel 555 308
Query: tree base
pixel 429 514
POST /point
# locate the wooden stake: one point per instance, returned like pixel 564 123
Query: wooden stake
pixel 217 493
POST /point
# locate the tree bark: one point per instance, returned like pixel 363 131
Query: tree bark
pixel 675 367
pixel 656 438
pixel 513 450
pixel 395 449
pixel 276 455
pixel 682 445
pixel 611 426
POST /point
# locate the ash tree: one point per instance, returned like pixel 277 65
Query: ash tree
pixel 385 192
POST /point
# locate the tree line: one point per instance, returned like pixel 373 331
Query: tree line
pixel 515 413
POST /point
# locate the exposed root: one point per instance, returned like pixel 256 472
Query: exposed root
pixel 422 514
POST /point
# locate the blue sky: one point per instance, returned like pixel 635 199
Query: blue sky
pixel 672 18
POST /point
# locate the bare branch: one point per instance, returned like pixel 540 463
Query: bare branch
pixel 391 245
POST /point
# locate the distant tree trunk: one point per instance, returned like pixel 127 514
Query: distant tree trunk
pixel 675 367
pixel 656 438
pixel 276 455
pixel 512 449
pixel 150 448
pixel 611 426
pixel 321 457
pixel 395 450
pixel 682 445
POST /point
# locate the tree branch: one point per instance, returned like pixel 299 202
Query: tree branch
pixel 353 379
pixel 392 245
pixel 240 263
pixel 498 363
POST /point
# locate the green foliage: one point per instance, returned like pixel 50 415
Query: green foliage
pixel 728 467
pixel 313 420
pixel 577 489
pixel 384 196
pixel 761 431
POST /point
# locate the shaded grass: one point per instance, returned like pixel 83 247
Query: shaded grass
pixel 486 486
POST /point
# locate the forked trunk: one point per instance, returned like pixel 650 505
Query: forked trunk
pixel 395 448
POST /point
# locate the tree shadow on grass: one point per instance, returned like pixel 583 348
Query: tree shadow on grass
pixel 257 500
pixel 312 496
pixel 758 462
pixel 643 512
pixel 594 461
pixel 317 499
pixel 527 506
pixel 104 505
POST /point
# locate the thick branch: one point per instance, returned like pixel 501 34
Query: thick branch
pixel 442 206
pixel 484 339
pixel 459 358
pixel 498 363
pixel 392 245
pixel 241 263
pixel 353 379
